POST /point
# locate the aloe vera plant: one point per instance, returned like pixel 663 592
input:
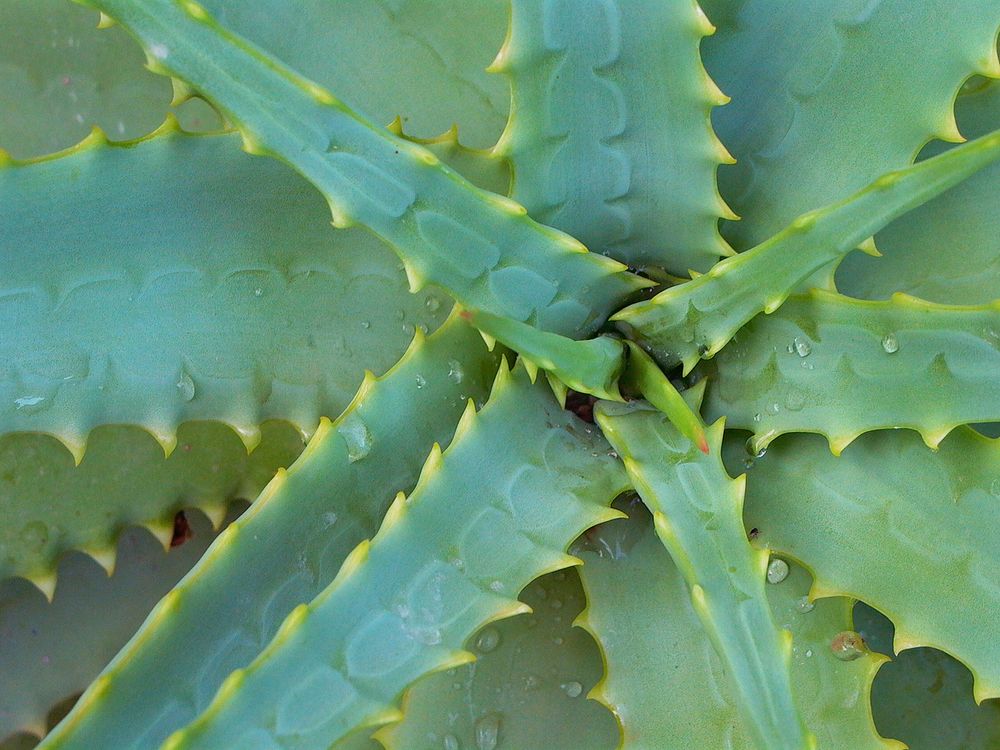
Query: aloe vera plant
pixel 651 345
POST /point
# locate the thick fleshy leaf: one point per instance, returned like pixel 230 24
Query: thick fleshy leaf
pixel 841 367
pixel 531 678
pixel 810 123
pixel 50 506
pixel 949 249
pixel 899 526
pixel 285 550
pixel 478 246
pixel 664 679
pixel 625 167
pixel 697 318
pixel 447 560
pixel 423 60
pixel 697 513
pixel 51 651
pixel 215 293
pixel 924 697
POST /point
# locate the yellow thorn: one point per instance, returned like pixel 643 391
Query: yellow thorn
pixel 868 248
pixel 44 582
pixel 104 557
pixel 215 513
pixel 249 434
pixel 162 531
pixel 105 21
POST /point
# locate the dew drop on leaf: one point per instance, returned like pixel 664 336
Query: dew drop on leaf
pixel 357 436
pixel 890 343
pixel 487 731
pixel 488 640
pixel 777 570
pixel 572 689
pixel 847 645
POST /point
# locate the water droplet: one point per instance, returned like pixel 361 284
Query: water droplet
pixel 421 381
pixel 455 371
pixel 572 689
pixel 803 605
pixel 847 645
pixel 777 570
pixel 258 292
pixel 753 451
pixel 773 409
pixel 159 51
pixel 366 324
pixel 756 417
pixel 329 519
pixel 488 640
pixel 890 343
pixel 357 436
pixel 809 653
pixel 29 404
pixel 487 731
pixel 432 304
pixel 186 386
pixel 795 400
pixel 802 347
pixel 451 742
pixel 496 586
pixel 995 488
pixel 531 682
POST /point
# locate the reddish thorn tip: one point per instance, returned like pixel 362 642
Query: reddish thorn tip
pixel 703 445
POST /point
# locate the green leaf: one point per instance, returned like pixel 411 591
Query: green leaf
pixel 285 550
pixel 697 318
pixel 519 482
pixel 52 651
pixel 422 60
pixel 626 167
pixel 841 367
pixel 696 510
pixel 212 293
pixel 664 679
pixel 531 675
pixel 478 246
pixel 900 526
pixel 50 506
pixel 592 366
pixel 948 250
pixel 829 94
pixel 65 76
pixel 924 697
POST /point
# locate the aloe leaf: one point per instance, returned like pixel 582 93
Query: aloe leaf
pixel 51 506
pixel 789 160
pixel 626 167
pixel 948 250
pixel 696 510
pixel 66 76
pixel 218 305
pixel 697 318
pixel 478 246
pixel 529 669
pixel 592 366
pixel 923 696
pixel 841 367
pixel 664 679
pixel 425 61
pixel 899 526
pixel 285 550
pixel 448 559
pixel 51 651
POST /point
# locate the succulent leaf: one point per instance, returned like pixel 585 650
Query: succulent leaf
pixel 899 526
pixel 424 61
pixel 529 669
pixel 664 679
pixel 696 510
pixel 51 506
pixel 947 250
pixel 853 92
pixel 286 549
pixel 448 559
pixel 237 303
pixel 52 651
pixel 478 246
pixel 697 318
pixel 626 168
pixel 841 367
